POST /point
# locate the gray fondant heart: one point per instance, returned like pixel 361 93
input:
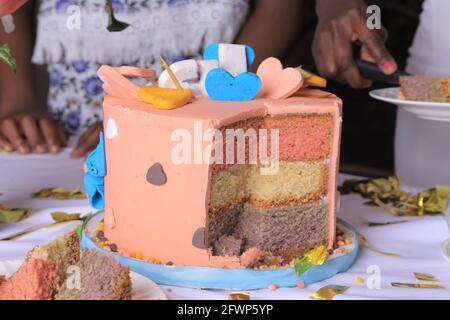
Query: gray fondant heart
pixel 156 175
pixel 198 239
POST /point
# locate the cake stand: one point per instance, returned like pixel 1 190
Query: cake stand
pixel 228 279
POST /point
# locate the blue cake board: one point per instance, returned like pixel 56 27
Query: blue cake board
pixel 227 279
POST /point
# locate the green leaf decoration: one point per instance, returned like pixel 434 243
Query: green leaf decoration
pixel 301 265
pixel 13 215
pixel 6 57
pixel 78 230
pixel 114 25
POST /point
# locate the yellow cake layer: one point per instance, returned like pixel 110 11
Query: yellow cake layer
pixel 294 183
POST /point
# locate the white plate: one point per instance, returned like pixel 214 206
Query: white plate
pixel 446 250
pixel 436 111
pixel 143 288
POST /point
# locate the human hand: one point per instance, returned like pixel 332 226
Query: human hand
pixel 342 23
pixel 88 141
pixel 27 132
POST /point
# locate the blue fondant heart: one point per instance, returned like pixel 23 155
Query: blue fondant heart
pixel 222 86
pixel 212 53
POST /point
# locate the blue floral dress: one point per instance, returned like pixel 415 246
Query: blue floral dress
pixel 73 42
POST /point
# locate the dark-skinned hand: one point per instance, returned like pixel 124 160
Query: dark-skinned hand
pixel 341 24
pixel 87 141
pixel 27 132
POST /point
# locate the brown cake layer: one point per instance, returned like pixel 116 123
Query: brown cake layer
pixel 102 278
pixel 425 89
pixel 279 231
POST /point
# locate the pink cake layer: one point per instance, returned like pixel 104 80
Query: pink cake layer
pixel 160 221
pixel 304 138
pixel 35 280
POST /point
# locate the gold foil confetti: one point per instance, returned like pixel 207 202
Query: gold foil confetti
pixel 368 223
pixel 13 215
pixel 425 277
pixel 60 193
pixel 417 285
pixel 317 256
pixel 239 296
pixel 387 194
pixel 366 244
pixel 328 292
pixel 63 216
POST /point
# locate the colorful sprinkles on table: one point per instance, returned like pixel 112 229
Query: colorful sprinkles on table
pixel 251 259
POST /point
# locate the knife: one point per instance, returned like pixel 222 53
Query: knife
pixel 372 72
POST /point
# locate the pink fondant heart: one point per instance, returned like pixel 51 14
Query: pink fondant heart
pixel 278 83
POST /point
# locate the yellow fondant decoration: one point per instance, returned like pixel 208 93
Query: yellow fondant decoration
pixel 165 98
pixel 312 79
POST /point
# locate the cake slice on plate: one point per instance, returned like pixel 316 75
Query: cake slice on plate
pixel 425 89
pixel 101 278
pixel 50 272
pixel 37 279
pixel 63 251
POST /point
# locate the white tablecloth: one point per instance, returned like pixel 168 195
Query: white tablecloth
pixel 418 241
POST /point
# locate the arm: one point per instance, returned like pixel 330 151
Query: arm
pixel 342 23
pixel 18 89
pixel 23 126
pixel 271 28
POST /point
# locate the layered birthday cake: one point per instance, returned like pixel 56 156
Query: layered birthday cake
pixel 224 169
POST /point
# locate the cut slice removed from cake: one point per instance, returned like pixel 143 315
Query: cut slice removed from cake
pixel 101 277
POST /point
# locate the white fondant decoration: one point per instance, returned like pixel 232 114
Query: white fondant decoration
pixel 205 66
pixel 111 129
pixel 8 23
pixel 184 70
pixel 190 73
pixel 233 58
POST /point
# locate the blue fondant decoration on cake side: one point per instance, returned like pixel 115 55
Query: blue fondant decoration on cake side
pixel 96 162
pixel 212 53
pixel 94 178
pixel 227 279
pixel 222 86
pixel 95 189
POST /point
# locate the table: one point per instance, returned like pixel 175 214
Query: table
pixel 417 240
